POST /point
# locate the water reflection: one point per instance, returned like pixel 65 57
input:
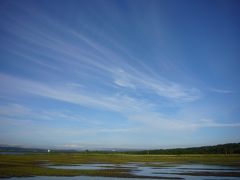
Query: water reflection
pixel 184 171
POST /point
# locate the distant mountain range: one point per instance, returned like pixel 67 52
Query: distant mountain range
pixel 230 148
pixel 6 148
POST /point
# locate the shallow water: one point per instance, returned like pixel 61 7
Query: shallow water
pixel 176 170
pixel 162 170
pixel 85 166
pixel 151 170
pixel 95 166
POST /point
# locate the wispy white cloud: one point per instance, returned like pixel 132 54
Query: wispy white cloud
pixel 161 87
pixel 158 121
pixel 221 91
pixel 12 109
pixel 89 99
pixel 17 111
pixel 133 108
pixel 85 54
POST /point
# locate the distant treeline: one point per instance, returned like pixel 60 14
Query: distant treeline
pixel 231 148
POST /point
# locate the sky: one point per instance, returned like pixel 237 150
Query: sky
pixel 92 74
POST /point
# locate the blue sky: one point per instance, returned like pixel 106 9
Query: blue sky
pixel 120 74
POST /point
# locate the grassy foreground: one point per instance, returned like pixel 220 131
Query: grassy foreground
pixel 33 164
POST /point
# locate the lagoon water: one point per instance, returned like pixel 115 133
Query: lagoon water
pixel 175 171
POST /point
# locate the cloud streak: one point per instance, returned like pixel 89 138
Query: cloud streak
pixel 134 109
pixel 85 54
pixel 221 91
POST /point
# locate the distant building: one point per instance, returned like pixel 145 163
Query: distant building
pixel 48 150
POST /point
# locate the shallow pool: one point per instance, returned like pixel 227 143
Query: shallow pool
pixel 183 171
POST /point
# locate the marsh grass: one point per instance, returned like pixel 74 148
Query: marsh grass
pixel 36 164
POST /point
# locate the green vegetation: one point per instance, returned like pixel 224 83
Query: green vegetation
pixel 231 148
pixel 33 164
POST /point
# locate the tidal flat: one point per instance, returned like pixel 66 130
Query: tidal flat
pixel 115 166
